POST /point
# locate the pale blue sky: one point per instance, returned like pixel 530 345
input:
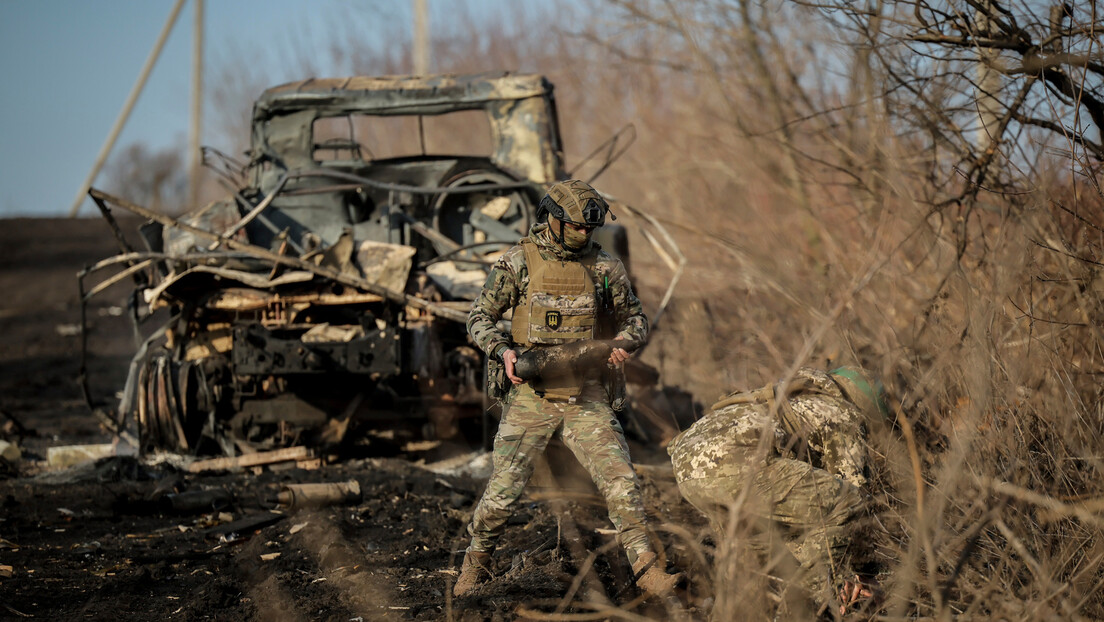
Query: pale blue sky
pixel 68 66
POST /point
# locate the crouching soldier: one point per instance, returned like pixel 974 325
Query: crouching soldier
pixel 792 459
pixel 555 281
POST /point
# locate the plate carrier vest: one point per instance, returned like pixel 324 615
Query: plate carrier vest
pixel 560 305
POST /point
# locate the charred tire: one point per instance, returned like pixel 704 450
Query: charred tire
pixel 160 423
pixel 172 401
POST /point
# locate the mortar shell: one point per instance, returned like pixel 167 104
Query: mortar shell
pixel 295 496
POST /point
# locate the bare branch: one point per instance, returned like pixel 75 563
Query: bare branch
pixel 967 41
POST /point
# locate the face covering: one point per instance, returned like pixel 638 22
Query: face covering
pixel 575 240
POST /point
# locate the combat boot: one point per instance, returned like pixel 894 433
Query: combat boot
pixel 474 570
pixel 654 580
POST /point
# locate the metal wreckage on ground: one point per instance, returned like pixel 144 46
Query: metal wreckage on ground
pixel 332 287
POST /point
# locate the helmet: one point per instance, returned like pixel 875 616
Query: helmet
pixel 574 202
pixel 867 394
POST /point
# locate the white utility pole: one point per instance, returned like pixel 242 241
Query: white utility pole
pixel 421 38
pixel 988 82
pixel 197 108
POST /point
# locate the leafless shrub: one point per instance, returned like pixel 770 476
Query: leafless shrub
pixel 864 220
pixel 157 178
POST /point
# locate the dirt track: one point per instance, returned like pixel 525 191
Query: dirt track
pixel 101 542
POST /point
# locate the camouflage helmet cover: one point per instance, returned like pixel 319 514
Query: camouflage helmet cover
pixel 576 202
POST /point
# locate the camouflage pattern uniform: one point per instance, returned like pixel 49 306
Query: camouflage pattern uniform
pixel 588 426
pixel 797 464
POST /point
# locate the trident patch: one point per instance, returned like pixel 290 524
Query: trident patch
pixel 553 319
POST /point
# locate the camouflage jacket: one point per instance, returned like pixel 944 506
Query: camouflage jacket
pixel 509 280
pixel 817 424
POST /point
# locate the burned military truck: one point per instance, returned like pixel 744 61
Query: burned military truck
pixel 332 286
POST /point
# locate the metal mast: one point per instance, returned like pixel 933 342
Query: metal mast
pixel 197 107
pixel 421 38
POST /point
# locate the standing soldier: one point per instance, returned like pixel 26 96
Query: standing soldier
pixel 561 287
pixel 793 458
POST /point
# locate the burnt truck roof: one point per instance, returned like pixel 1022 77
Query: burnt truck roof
pixel 399 94
pixel 520 108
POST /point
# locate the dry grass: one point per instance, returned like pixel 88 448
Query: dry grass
pixel 985 326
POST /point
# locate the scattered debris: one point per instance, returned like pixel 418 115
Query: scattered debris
pixel 109 469
pixel 6 571
pixel 245 526
pixel 309 464
pixel 86 547
pixel 10 453
pixel 287 454
pixel 476 465
pixel 68 330
pixel 200 500
pixel 14 425
pixel 69 455
pixel 17 612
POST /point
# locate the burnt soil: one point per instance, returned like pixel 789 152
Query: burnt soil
pixel 101 540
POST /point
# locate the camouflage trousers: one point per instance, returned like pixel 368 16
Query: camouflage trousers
pixel 807 510
pixel 591 431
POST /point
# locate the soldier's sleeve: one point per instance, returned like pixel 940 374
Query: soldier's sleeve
pixel 632 324
pixel 500 292
pixel 845 453
pixel 834 428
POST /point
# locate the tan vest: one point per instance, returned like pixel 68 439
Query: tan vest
pixel 559 306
